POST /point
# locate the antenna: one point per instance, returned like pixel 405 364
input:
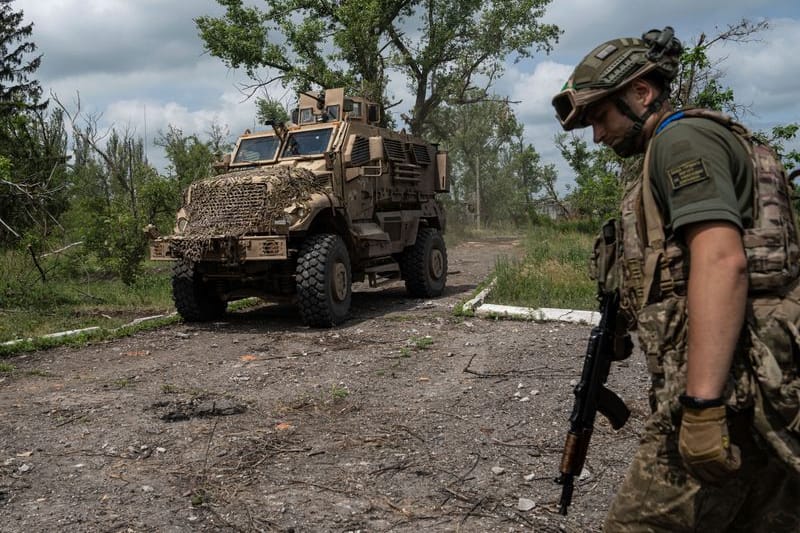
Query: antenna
pixel 145 133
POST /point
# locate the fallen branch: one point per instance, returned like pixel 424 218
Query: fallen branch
pixel 67 247
pixel 539 372
pixel 36 262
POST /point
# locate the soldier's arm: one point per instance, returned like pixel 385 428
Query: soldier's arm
pixel 717 295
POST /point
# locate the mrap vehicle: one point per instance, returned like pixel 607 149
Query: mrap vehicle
pixel 303 210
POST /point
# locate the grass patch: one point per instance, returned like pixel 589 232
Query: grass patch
pixel 74 295
pixel 553 272
pixel 339 393
pixel 421 343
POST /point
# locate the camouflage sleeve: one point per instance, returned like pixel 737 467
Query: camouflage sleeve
pixel 699 173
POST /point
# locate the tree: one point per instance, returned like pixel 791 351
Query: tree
pixel 33 185
pixel 113 186
pixel 699 79
pixel 32 142
pixel 598 190
pixel 189 158
pixel 271 111
pixel 445 49
pixel 495 174
pixel 17 91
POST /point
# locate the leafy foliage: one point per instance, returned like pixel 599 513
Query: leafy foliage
pixel 269 111
pixel 598 190
pixel 443 48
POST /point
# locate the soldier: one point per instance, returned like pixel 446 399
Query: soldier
pixel 707 264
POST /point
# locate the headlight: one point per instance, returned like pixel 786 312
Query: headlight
pixel 294 214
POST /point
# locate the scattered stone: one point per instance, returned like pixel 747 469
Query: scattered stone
pixel 161 450
pixel 147 488
pixel 524 504
pixel 498 470
pixel 24 467
pixel 182 335
pixel 530 477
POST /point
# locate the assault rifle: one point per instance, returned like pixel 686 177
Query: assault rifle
pixel 591 396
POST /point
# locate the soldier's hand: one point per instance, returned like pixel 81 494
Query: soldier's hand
pixel 705 445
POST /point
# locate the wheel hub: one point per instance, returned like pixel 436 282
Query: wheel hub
pixel 437 264
pixel 339 281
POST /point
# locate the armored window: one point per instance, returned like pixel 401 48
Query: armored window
pixel 356 112
pixel 309 142
pixel 256 149
pixel 306 115
pixel 333 112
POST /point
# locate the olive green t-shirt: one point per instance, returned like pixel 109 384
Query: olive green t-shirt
pixel 700 172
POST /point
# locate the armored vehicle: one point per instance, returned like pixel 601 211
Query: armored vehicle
pixel 305 209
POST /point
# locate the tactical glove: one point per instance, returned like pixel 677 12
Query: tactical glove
pixel 705 446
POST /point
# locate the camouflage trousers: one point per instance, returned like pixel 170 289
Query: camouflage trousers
pixel 658 495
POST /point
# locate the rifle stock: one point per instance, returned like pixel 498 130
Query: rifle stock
pixel 591 396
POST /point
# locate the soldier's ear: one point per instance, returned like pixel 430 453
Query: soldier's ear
pixel 643 92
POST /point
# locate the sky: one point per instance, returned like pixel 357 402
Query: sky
pixel 140 65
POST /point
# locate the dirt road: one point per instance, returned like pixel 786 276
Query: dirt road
pixel 405 419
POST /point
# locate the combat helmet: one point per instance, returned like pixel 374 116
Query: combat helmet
pixel 610 67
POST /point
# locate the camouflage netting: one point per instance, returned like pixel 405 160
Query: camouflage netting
pixel 239 203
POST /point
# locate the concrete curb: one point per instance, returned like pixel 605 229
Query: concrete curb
pixel 543 314
pixel 74 332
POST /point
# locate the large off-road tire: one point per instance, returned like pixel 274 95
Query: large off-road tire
pixel 194 299
pixel 324 280
pixel 424 265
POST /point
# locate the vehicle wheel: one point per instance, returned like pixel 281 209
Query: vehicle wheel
pixel 424 265
pixel 194 299
pixel 324 280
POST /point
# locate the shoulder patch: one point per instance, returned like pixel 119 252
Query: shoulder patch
pixel 690 172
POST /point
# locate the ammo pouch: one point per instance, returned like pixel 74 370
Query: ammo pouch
pixel 603 263
pixel 773 255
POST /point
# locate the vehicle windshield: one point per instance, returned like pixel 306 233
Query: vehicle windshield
pixel 310 142
pixel 257 149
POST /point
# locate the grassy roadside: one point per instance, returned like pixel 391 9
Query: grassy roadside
pixel 73 295
pixel 552 273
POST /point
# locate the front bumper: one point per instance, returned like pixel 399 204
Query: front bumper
pixel 223 249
